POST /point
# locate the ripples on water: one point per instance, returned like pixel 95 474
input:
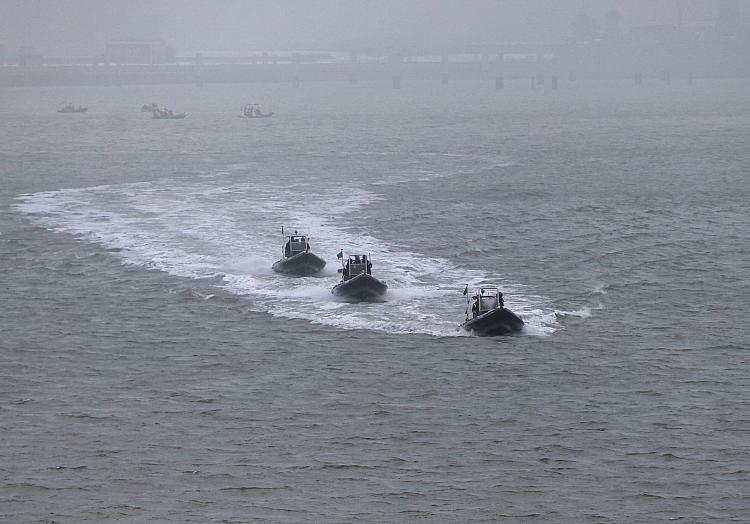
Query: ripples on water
pixel 153 368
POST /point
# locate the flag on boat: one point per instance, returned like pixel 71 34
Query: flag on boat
pixel 340 254
pixel 466 289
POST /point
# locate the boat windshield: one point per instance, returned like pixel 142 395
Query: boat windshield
pixel 297 244
pixel 488 298
pixel 487 303
pixel 357 265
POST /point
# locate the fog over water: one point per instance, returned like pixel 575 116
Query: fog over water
pixel 588 158
pixel 80 27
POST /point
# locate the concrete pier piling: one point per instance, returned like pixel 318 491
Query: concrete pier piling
pixel 352 75
pixel 484 65
pixel 500 71
pixel 199 62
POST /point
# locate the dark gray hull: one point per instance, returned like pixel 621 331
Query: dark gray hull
pixel 499 321
pixel 301 264
pixel 362 288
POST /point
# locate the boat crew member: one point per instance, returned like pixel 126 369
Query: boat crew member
pixel 500 301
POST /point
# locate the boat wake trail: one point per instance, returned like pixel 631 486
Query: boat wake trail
pixel 232 234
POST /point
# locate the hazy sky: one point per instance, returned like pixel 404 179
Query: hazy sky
pixel 81 27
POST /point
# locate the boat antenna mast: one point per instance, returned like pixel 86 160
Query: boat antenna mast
pixel 466 294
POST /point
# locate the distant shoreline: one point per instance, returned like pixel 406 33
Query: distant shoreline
pixel 81 75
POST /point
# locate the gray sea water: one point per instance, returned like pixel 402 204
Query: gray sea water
pixel 154 369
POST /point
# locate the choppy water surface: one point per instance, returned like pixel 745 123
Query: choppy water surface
pixel 155 369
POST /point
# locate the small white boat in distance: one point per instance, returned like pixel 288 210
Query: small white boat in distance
pixel 253 111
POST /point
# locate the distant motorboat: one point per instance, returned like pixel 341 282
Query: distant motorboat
pixel 297 259
pixel 357 283
pixel 164 113
pixel 489 316
pixel 253 111
pixel 70 108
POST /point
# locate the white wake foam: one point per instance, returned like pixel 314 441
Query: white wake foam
pixel 201 229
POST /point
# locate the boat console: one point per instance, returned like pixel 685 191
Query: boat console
pixel 295 244
pixel 356 265
pixel 485 299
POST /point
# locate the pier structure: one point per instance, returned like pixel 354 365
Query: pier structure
pixel 542 66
